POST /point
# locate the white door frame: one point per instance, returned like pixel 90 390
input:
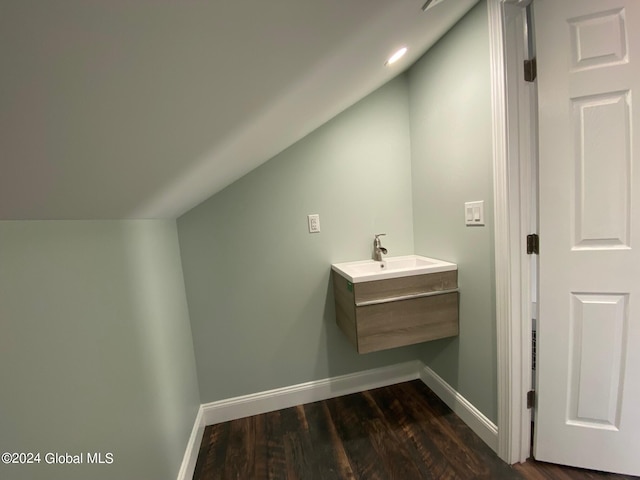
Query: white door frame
pixel 513 285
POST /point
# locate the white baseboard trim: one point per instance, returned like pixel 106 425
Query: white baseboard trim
pixel 193 448
pixel 270 400
pixel 262 402
pixel 474 418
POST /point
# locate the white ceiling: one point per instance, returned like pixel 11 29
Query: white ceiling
pixel 144 108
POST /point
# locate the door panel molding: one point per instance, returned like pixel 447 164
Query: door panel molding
pixel 602 188
pixel 599 40
pixel 596 359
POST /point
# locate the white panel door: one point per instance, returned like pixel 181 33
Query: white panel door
pixel 588 393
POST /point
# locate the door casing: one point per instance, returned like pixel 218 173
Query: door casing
pixel 512 185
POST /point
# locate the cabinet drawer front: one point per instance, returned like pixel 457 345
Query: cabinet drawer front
pixel 389 325
pixel 398 287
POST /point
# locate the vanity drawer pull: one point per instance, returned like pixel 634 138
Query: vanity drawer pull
pixel 405 297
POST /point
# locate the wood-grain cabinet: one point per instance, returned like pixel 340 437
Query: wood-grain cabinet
pixel 395 312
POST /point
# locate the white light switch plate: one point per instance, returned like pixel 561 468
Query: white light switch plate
pixel 474 213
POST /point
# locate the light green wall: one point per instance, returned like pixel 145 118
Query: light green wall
pixel 96 352
pixel 452 163
pixel 260 299
pixel 402 161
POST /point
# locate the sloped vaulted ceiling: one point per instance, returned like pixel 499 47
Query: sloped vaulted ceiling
pixel 144 108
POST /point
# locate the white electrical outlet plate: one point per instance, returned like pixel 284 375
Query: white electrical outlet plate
pixel 314 223
pixel 474 213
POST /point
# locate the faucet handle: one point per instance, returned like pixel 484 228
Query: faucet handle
pixel 378 249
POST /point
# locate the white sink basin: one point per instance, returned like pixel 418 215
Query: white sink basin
pixel 391 267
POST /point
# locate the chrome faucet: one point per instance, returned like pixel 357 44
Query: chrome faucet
pixel 378 249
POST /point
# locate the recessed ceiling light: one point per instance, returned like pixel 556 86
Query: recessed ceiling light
pixel 396 56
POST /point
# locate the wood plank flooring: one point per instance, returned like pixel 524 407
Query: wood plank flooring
pixel 402 432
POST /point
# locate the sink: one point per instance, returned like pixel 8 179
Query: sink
pixel 395 302
pixel 391 267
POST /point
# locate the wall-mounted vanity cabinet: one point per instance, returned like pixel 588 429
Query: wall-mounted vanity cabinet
pixel 400 301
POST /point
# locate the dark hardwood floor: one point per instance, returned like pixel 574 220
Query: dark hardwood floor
pixel 401 432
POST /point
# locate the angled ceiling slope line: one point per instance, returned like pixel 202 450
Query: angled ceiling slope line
pixel 144 110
